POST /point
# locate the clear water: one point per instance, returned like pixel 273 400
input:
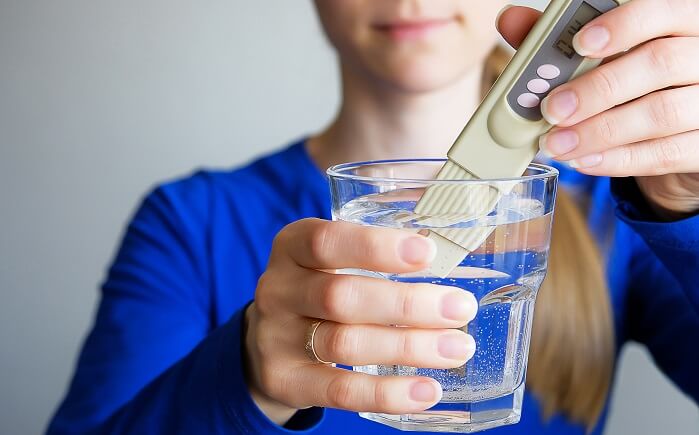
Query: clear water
pixel 501 331
pixel 504 274
pixel 394 209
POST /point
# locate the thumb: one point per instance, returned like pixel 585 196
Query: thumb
pixel 515 22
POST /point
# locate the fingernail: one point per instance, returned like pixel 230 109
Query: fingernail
pixel 425 391
pixel 502 11
pixel 591 40
pixel 458 306
pixel 417 250
pixel 456 346
pixel 559 106
pixel 558 143
pixel 588 161
pixel 542 147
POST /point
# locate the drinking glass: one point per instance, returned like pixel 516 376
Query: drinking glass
pixel 504 273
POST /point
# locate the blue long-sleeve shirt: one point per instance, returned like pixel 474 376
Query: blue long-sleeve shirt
pixel 165 353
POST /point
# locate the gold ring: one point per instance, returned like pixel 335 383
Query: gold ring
pixel 309 346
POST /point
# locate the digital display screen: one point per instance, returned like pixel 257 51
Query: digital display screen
pixel 584 14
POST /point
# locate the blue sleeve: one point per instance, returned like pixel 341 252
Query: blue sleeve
pixel 153 362
pixel 663 302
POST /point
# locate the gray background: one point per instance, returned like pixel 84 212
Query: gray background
pixel 99 101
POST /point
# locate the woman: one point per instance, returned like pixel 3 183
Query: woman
pixel 203 315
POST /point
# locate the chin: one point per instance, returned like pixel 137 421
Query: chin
pixel 424 76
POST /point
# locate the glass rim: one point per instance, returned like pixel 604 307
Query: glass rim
pixel 336 171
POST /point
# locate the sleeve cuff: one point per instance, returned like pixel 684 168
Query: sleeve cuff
pixel 235 395
pixel 633 209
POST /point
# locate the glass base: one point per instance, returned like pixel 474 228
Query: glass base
pixel 458 417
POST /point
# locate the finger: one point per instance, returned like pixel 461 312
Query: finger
pixel 656 115
pixel 358 345
pixel 634 23
pixel 515 22
pixel 320 244
pixel 674 154
pixel 360 300
pixel 330 387
pixel 653 66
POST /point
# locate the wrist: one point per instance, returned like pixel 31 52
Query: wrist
pixel 671 199
pixel 672 212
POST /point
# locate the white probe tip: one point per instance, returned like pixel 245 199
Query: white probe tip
pixel 449 255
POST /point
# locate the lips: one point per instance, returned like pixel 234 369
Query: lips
pixel 413 29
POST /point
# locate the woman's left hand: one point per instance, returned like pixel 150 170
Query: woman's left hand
pixel 638 114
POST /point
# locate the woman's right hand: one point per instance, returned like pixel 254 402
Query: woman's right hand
pixel 299 287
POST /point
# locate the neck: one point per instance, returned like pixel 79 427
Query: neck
pixel 379 123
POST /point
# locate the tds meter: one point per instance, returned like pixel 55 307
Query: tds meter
pixel 501 139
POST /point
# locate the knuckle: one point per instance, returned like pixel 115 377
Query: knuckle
pixel 267 342
pixel 637 18
pixel 684 8
pixel 668 154
pixel 284 235
pixel 269 380
pixel 321 241
pixel 607 130
pixel 338 296
pixel 369 242
pixel 343 343
pixel 605 82
pixel 341 392
pixel 664 57
pixel 407 346
pixel 664 111
pixel 406 303
pixel 382 394
pixel 263 294
pixel 627 159
pixel 285 390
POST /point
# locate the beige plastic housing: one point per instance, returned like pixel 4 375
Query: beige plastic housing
pixel 496 143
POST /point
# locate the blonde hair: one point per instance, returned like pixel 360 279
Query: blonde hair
pixel 571 357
